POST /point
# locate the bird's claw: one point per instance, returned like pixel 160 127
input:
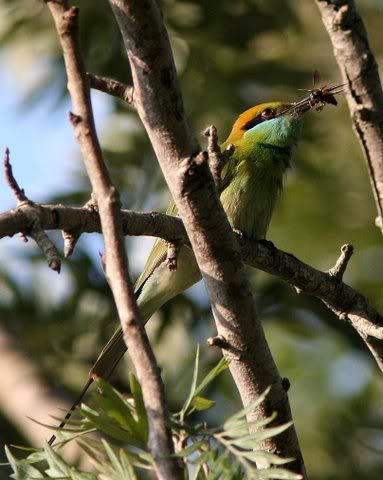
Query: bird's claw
pixel 268 244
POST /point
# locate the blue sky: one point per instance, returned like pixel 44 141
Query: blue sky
pixel 44 154
pixel 41 141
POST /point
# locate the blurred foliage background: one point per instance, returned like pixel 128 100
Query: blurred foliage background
pixel 230 56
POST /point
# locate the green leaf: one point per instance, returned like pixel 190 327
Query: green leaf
pixel 22 468
pixel 119 472
pixel 196 472
pixel 117 408
pixel 96 451
pixel 250 441
pixel 243 427
pixel 208 456
pixel 142 417
pixel 185 452
pixel 193 384
pixel 232 421
pixel 271 458
pixel 221 366
pixel 278 474
pixel 202 403
pixel 105 424
pixel 58 468
pixel 127 465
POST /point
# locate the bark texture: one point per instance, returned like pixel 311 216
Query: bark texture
pixel 364 92
pixel 158 101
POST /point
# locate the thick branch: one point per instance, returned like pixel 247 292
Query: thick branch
pixel 158 101
pixel 364 93
pixel 107 198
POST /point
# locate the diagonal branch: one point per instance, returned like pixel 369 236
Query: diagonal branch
pixel 364 92
pixel 158 101
pixel 107 198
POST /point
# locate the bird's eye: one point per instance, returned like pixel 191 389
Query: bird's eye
pixel 267 113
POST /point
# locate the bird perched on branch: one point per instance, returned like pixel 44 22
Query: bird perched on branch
pixel 264 138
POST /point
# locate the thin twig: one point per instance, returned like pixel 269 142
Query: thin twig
pixel 160 441
pixel 46 245
pixel 112 87
pixel 70 241
pixel 340 266
pixel 71 237
pixel 217 159
pixel 221 342
pixel 364 89
pixel 10 179
pixel 34 229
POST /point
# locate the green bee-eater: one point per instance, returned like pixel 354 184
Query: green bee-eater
pixel 264 138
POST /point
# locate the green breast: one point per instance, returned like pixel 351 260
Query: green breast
pixel 252 181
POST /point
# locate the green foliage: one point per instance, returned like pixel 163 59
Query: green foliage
pixel 121 453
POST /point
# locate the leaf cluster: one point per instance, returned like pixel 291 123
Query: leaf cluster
pixel 114 435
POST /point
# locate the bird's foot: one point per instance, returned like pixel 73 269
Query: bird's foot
pixel 241 237
pixel 268 244
pixel 239 233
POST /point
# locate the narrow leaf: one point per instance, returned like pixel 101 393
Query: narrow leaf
pixel 21 468
pixel 142 417
pixel 278 474
pixel 221 366
pixel 194 383
pixel 258 437
pixel 231 421
pixel 202 403
pixel 185 452
pixel 106 425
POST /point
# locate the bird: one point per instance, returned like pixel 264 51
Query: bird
pixel 264 138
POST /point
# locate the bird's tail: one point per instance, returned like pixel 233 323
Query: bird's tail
pixel 149 301
pixel 69 414
pixel 103 367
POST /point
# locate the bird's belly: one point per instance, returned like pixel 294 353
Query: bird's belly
pixel 249 209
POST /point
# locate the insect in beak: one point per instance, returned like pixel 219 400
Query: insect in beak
pixel 317 98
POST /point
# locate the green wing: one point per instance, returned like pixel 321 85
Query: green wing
pixel 156 256
pixel 158 252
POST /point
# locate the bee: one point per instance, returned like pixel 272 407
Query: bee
pixel 319 97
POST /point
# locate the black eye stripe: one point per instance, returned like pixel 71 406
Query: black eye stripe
pixel 253 122
pixel 259 119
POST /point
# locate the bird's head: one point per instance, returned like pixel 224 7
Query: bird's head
pixel 276 123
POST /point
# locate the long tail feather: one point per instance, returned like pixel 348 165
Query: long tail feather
pixel 69 414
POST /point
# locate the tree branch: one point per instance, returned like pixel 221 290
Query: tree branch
pixel 343 300
pixel 107 198
pixel 111 87
pixel 35 231
pixel 364 92
pixel 158 101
